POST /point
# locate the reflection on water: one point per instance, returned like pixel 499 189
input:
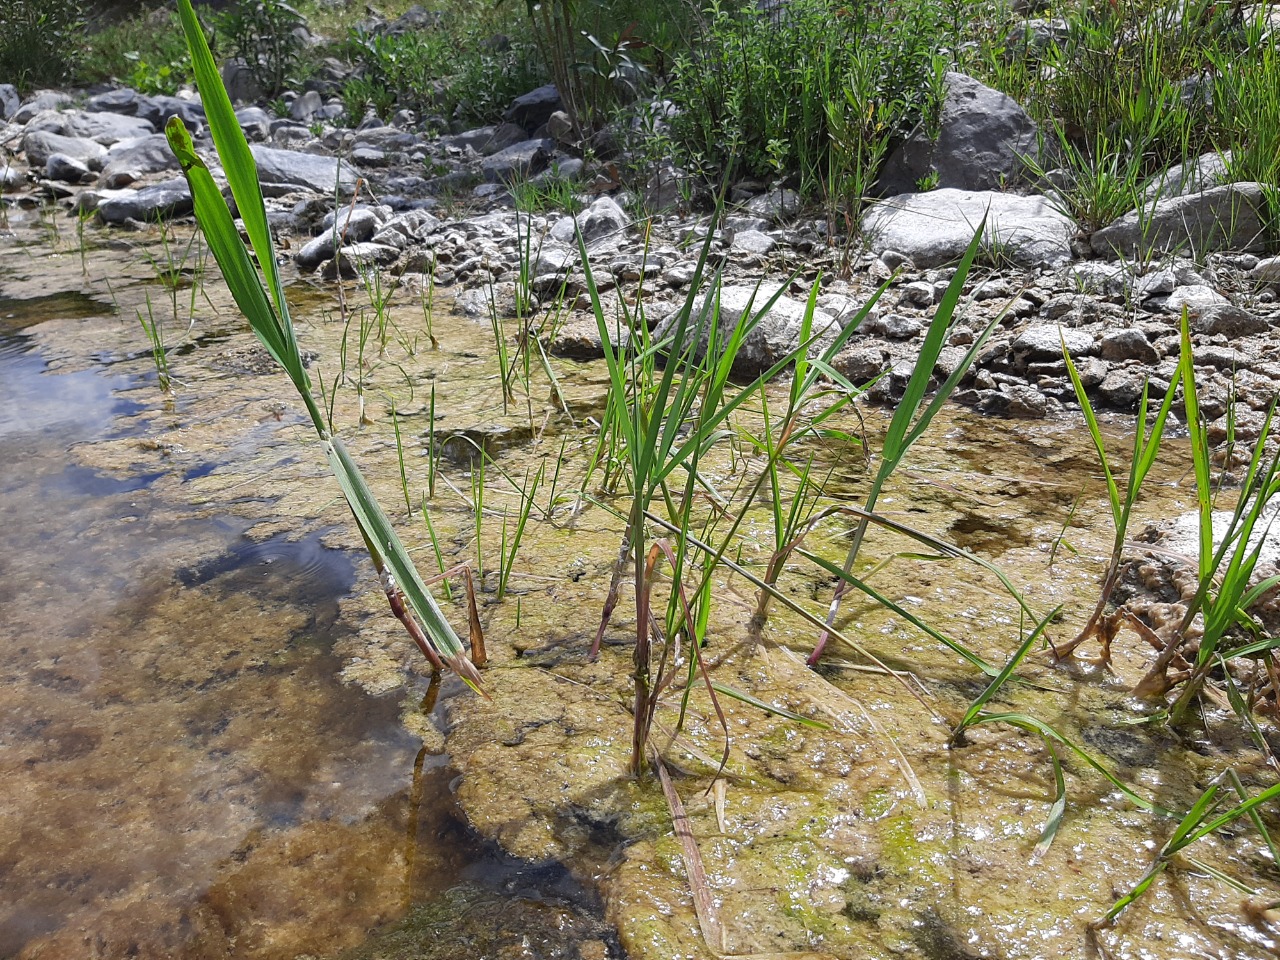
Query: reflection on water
pixel 181 773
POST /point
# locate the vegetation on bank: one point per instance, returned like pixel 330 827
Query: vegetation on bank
pixel 816 93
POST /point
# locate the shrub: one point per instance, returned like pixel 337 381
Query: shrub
pixel 816 89
pixel 146 51
pixel 261 33
pixel 40 42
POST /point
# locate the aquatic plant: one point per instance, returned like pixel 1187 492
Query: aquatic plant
pixel 260 297
pixel 1146 444
pixel 911 415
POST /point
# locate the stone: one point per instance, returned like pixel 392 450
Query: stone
pixel 1183 179
pixel 982 137
pixel 1044 341
pixel 304 108
pixel 935 228
pixel 1195 299
pixel 1107 279
pixel 103 128
pixel 899 327
pixel 603 219
pixel 11 178
pixel 752 242
pixel 9 100
pixel 318 174
pixel 560 128
pixel 486 140
pixel 157 109
pixel 1024 401
pixel 353 228
pixel 255 123
pixel 1230 217
pixel 1266 271
pixel 160 201
pixel 131 161
pixel 517 162
pixel 1122 388
pixel 916 294
pixel 860 363
pixel 66 169
pixel 39 145
pixel 775 206
pixel 38 102
pixel 1156 284
pixel 242 86
pixel 533 109
pixel 1129 344
pixel 775 335
pixel 1228 320
pixel 357 258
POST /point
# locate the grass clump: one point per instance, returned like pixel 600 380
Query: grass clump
pixel 816 90
pixel 40 43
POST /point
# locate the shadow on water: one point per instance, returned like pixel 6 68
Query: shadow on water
pixel 182 773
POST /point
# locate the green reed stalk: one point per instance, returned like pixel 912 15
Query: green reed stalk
pixel 912 415
pixel 260 297
pixel 1146 444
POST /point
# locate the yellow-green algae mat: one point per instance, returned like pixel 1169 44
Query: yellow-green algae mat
pixel 815 842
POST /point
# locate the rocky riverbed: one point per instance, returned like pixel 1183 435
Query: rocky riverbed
pixel 440 211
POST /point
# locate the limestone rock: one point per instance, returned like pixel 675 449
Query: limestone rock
pixel 1221 218
pixel 935 228
pixel 982 138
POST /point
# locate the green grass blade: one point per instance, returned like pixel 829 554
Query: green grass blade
pixel 999 679
pixel 381 537
pixel 759 704
pixel 233 150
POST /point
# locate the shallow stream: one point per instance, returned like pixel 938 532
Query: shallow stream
pixel 215 742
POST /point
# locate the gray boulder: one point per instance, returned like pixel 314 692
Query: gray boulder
pixel 66 169
pixel 1206 171
pixel 155 110
pixel 38 102
pixel 773 337
pixel 1230 217
pixel 534 108
pixel 105 128
pixel 255 123
pixel 40 145
pixel 305 107
pixel 486 140
pixel 319 174
pixel 603 219
pixel 242 86
pixel 160 201
pixel 517 162
pixel 1044 341
pixel 9 100
pixel 349 227
pixel 132 161
pixel 935 228
pixel 982 137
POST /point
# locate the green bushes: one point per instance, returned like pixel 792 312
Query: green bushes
pixel 261 33
pixel 40 43
pixel 817 90
pixel 145 51
pixel 469 78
